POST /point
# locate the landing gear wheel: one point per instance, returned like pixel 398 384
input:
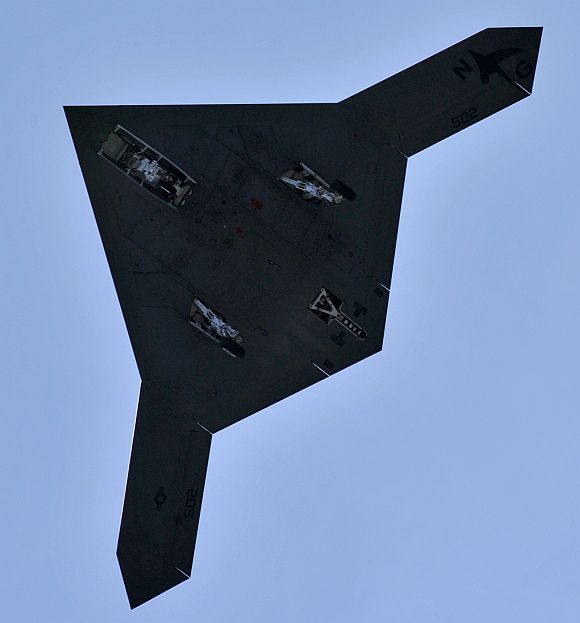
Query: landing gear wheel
pixel 231 347
pixel 344 190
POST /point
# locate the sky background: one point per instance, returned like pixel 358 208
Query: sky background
pixel 436 482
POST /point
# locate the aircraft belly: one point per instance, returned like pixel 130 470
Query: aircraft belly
pixel 260 254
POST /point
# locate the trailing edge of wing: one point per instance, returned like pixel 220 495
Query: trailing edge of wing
pixel 163 496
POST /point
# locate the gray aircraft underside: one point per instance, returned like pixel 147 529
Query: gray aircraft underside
pixel 252 247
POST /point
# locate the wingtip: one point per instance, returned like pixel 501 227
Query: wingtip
pixel 521 67
pixel 143 583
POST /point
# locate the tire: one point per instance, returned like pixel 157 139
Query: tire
pixel 232 348
pixel 344 190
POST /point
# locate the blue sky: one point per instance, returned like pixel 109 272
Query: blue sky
pixel 435 482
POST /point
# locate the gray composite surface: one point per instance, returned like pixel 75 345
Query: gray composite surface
pixel 257 252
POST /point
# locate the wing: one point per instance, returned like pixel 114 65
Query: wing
pixel 250 247
pixel 163 496
pixel 453 89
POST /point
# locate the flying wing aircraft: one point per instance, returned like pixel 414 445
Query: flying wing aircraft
pixel 252 248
